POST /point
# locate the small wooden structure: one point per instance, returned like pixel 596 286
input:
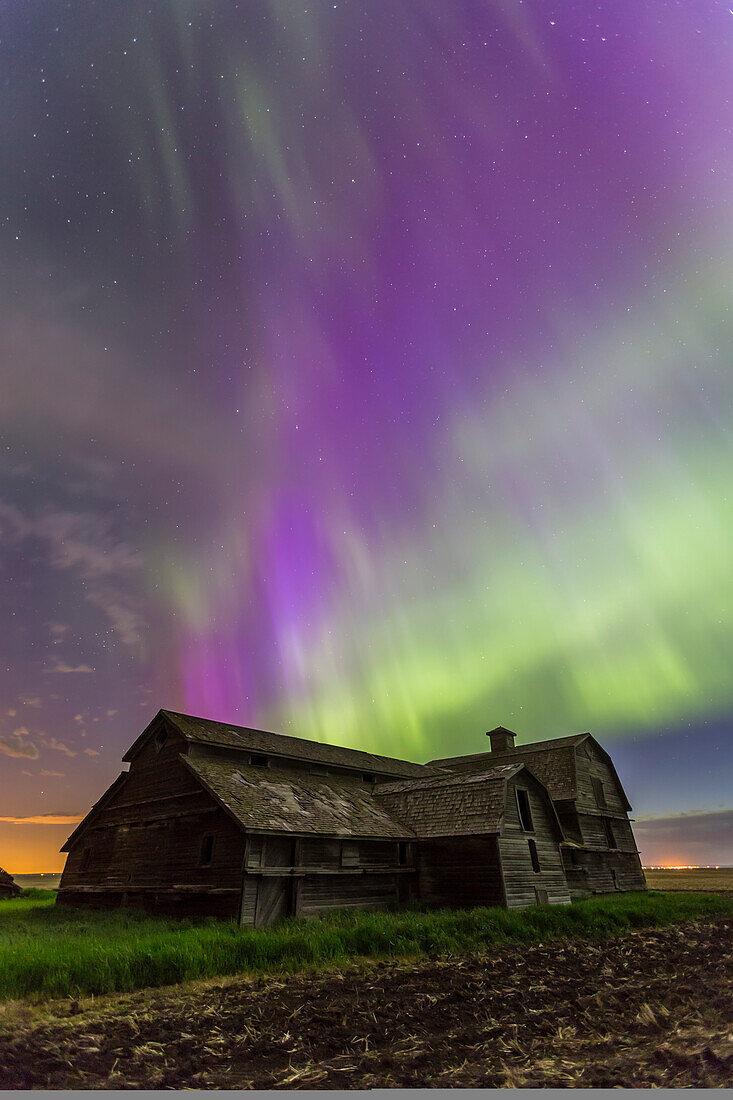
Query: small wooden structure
pixel 8 886
pixel 250 825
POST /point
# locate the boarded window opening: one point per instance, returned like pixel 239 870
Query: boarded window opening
pixel 533 856
pixel 599 794
pixel 160 739
pixel 254 853
pixel 610 835
pixel 349 855
pixel 207 850
pixel 367 777
pixel 525 813
pixel 541 896
pixel 86 858
pixel 403 853
pixel 258 760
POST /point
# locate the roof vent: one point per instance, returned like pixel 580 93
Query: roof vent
pixel 502 740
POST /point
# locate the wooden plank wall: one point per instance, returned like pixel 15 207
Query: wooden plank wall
pixel 320 880
pixel 591 872
pixel 459 872
pixel 594 833
pixel 150 835
pixel 589 765
pixel 521 882
pixel 318 893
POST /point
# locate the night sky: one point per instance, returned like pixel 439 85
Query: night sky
pixel 367 375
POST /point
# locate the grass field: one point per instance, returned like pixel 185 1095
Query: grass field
pixel 48 951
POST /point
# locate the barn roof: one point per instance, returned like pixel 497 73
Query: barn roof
pixel 274 800
pixel 553 766
pixel 206 731
pixel 450 805
pixel 553 762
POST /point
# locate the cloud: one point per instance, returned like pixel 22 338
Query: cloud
pixel 44 819
pixel 88 546
pixel 126 621
pixel 61 666
pixel 92 752
pixel 46 772
pixel 82 541
pixel 57 746
pixel 17 744
pixel 111 713
pixel 31 701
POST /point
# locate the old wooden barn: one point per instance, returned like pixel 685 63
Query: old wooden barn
pixel 250 825
pixel 8 886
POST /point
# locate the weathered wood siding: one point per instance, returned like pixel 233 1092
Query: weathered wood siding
pixel 359 890
pixel 459 872
pixel 590 872
pixel 310 875
pixel 590 765
pixel 148 840
pixel 594 834
pixel 523 886
pixel 600 868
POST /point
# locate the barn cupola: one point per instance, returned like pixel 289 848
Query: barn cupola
pixel 502 740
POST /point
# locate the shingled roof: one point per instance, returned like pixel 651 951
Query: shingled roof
pixel 275 800
pixel 555 767
pixel 206 731
pixel 450 805
pixel 553 762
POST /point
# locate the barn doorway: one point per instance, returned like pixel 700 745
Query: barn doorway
pixel 276 891
pixel 275 897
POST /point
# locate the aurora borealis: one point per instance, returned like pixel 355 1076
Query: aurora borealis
pixel 366 374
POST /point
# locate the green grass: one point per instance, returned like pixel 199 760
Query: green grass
pixel 53 951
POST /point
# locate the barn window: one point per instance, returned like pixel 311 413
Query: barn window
pixel 403 853
pixel 254 853
pixel 368 777
pixel 349 855
pixel 86 857
pixel 160 738
pixel 599 794
pixel 533 856
pixel 525 813
pixel 207 850
pixel 258 760
pixel 610 835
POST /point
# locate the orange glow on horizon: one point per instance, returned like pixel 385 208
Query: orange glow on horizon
pixel 33 849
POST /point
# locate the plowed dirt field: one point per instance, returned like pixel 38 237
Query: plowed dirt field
pixel 648 1009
